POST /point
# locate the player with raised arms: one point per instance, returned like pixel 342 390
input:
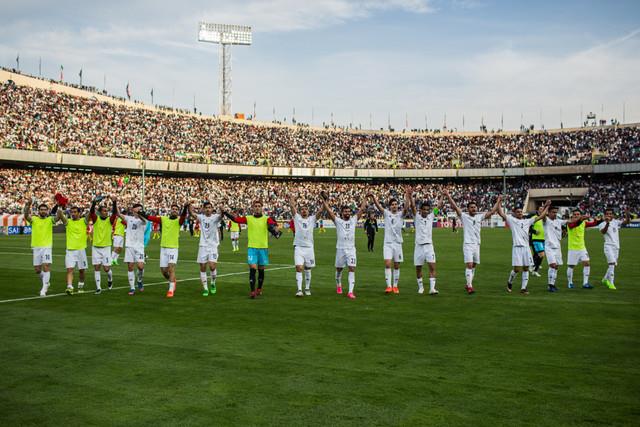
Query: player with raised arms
pixel 471 228
pixel 424 252
pixel 170 242
pixel 577 250
pixel 610 229
pixel 346 241
pixel 76 252
pixel 521 257
pixel 392 244
pixel 234 235
pixel 553 249
pixel 537 242
pixel 118 239
pixel 259 226
pixel 303 251
pixel 136 226
pixel 102 240
pixel 209 242
pixel 41 241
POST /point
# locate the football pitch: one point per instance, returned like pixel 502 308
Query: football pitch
pixel 570 358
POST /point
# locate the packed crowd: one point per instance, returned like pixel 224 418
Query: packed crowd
pixel 161 192
pixel 35 119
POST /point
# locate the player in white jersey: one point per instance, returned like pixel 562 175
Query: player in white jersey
pixel 423 252
pixel 303 251
pixel 134 246
pixel 521 257
pixel 610 229
pixel 209 242
pixel 552 247
pixel 346 241
pixel 471 226
pixel 392 245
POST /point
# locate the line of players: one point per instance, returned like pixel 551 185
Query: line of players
pixel 259 227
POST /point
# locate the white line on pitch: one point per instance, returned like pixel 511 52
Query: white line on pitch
pixel 127 287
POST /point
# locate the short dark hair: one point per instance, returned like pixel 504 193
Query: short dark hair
pixel 471 203
pixel 576 210
pixel 553 208
pixel 42 205
pixel 425 204
pixel 74 207
pixel 343 207
pixel 205 204
pixel 393 199
pixel 137 205
pixel 175 206
pixel 609 210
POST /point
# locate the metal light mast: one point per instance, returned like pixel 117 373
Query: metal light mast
pixel 225 35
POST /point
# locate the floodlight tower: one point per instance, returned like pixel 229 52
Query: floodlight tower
pixel 225 35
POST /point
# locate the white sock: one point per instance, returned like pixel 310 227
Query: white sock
pixel 307 279
pixel 352 281
pixel 396 277
pixel 214 276
pixel 512 276
pixel 468 274
pixel 585 274
pixel 299 280
pixel 570 274
pixel 420 283
pixel 96 275
pixel 387 277
pixel 80 285
pixel 115 255
pixel 203 279
pixel 525 279
pixel 172 286
pixel 610 273
pixel 131 275
pixel 110 275
pixel 432 283
pixel 339 279
pixel 140 275
pixel 44 276
pixel 551 276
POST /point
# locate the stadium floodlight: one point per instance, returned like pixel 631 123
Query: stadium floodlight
pixel 225 35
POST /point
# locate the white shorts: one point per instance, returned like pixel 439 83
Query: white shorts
pixel 392 251
pixel 521 256
pixel 576 257
pixel 346 258
pixel 234 235
pixel 471 253
pixel 168 256
pixel 133 255
pixel 118 241
pixel 101 256
pixel 304 256
pixel 611 253
pixel 424 254
pixel 76 257
pixel 42 256
pixel 207 254
pixel 554 255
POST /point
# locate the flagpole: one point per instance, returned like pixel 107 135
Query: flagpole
pixel 40 67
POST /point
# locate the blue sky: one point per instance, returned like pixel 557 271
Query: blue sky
pixel 544 61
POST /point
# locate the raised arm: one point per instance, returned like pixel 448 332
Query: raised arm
pixel 292 204
pixel 627 217
pixel 452 203
pixel 60 216
pixel 328 210
pixel 116 211
pixel 409 201
pixel 496 209
pixel 27 210
pixel 544 212
pixel 192 213
pixel 376 202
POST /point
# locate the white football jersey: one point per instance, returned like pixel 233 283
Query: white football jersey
pixel 393 223
pixel 209 225
pixel 424 228
pixel 520 230
pixel 135 232
pixel 612 236
pixel 471 226
pixel 346 232
pixel 553 232
pixel 304 230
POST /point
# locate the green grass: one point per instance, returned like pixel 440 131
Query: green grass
pixel 569 358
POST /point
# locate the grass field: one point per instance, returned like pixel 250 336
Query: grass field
pixel 570 358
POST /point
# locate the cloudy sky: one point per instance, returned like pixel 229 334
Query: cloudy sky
pixel 362 60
